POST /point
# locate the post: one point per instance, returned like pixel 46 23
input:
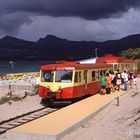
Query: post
pixel 96 52
pixel 118 102
pixel 9 91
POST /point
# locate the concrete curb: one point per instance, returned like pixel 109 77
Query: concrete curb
pixel 22 135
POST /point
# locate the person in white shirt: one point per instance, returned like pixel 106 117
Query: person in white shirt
pixel 125 76
pixel 118 80
pixel 135 82
pixel 122 75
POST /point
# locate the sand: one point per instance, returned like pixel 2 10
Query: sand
pixel 113 123
pixel 19 107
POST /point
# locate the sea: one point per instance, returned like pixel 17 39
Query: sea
pixel 8 67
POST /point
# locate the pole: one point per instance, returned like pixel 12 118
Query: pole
pixel 118 102
pixel 96 52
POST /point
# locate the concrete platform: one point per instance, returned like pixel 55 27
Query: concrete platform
pixel 56 125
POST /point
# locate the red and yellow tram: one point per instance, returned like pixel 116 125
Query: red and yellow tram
pixel 119 63
pixel 68 81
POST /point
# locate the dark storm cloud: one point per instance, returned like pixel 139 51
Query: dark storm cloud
pixel 88 9
pixel 12 21
pixel 16 16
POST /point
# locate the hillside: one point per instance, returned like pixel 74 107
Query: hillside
pixel 55 48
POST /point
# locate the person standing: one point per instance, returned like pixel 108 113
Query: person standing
pixel 108 83
pixel 113 81
pixel 125 81
pixel 122 75
pixel 103 84
pixel 135 82
pixel 118 80
pixel 131 76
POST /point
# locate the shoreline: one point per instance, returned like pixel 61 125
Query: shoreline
pixel 20 78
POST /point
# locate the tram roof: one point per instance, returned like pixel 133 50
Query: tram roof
pixel 88 61
pixel 109 58
pixel 73 66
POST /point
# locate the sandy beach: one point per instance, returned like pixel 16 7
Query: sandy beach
pixel 16 108
pixel 18 83
pixel 114 122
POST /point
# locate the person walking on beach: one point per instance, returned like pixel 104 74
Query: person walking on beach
pixel 103 84
pixel 125 81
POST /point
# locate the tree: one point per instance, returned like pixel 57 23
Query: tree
pixel 131 53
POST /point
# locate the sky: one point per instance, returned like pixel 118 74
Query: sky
pixel 97 20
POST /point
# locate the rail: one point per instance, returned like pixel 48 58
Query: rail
pixel 24 118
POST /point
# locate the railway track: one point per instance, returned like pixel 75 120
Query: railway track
pixel 24 118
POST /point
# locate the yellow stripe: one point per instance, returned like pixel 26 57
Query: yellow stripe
pixel 55 86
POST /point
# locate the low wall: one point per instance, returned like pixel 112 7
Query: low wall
pixel 16 87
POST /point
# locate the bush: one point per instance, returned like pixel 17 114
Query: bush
pixel 35 90
pixel 4 99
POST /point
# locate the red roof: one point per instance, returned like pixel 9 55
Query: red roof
pixel 109 58
pixel 74 65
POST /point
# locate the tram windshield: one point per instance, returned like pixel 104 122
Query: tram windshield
pixel 63 76
pixel 47 76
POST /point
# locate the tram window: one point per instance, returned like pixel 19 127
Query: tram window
pixel 79 76
pixel 107 70
pixel 64 76
pixel 101 72
pixel 110 70
pixel 85 74
pixel 93 75
pixel 115 67
pixel 131 66
pixel 119 66
pixel 104 72
pixel 47 76
pixel 122 67
pixel 97 75
pixel 76 77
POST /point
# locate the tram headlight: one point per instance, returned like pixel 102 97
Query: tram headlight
pixel 59 88
pixel 48 87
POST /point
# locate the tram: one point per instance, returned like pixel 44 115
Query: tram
pixel 119 63
pixel 69 81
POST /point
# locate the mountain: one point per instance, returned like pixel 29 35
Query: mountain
pixel 11 47
pixel 55 48
pixel 12 42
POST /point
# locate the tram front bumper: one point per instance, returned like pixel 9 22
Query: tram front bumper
pixel 52 94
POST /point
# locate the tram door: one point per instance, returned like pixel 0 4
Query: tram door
pixel 85 78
